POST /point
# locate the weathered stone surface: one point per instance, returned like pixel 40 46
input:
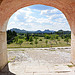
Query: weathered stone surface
pixel 3 50
pixel 1 1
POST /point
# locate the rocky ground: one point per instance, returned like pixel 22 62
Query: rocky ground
pixel 40 61
pixel 51 55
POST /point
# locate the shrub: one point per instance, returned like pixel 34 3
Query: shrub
pixel 40 39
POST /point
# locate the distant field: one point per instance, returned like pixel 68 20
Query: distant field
pixel 26 44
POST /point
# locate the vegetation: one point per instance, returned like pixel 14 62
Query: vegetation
pixel 36 42
pixel 17 40
pixel 46 42
pixel 10 36
pixel 20 42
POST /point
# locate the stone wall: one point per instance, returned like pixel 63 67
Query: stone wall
pixel 3 49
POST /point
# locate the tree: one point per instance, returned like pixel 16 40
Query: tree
pixel 14 33
pixel 16 39
pixel 52 37
pixel 46 42
pixel 56 36
pixel 10 36
pixel 58 40
pixel 36 42
pixel 35 37
pixel 62 36
pixel 27 37
pixel 66 40
pixel 47 36
pixel 20 42
pixel 40 39
pixel 30 39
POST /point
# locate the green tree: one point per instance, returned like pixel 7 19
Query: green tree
pixel 40 39
pixel 16 40
pixel 47 36
pixel 58 40
pixel 66 40
pixel 52 37
pixel 35 37
pixel 36 42
pixel 46 42
pixel 27 37
pixel 62 36
pixel 20 42
pixel 14 33
pixel 10 36
pixel 56 36
pixel 30 39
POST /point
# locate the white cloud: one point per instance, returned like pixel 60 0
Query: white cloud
pixel 50 20
pixel 43 12
pixel 27 12
pixel 30 18
pixel 46 12
pixel 54 11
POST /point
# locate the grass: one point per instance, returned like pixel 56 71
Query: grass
pixel 70 65
pixel 9 61
pixel 16 50
pixel 41 44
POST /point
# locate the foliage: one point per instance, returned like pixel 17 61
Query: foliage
pixel 27 37
pixel 47 36
pixel 58 39
pixel 30 39
pixel 20 42
pixel 56 36
pixel 40 39
pixel 46 42
pixel 10 36
pixel 35 37
pixel 16 39
pixel 52 37
pixel 31 43
pixel 36 42
pixel 66 40
pixel 62 36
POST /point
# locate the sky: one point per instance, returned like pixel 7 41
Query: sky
pixel 38 17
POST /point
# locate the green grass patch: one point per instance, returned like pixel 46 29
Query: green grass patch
pixel 9 61
pixel 70 65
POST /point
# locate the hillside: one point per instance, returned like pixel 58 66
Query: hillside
pixel 39 31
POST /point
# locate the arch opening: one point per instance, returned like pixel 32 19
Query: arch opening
pixel 32 18
pixel 66 6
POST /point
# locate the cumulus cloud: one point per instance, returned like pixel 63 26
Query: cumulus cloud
pixel 47 12
pixel 29 19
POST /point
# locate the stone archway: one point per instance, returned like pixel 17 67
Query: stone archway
pixel 8 7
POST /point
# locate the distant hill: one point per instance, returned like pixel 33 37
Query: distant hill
pixel 18 30
pixel 38 31
pixel 63 32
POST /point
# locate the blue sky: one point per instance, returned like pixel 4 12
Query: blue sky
pixel 38 17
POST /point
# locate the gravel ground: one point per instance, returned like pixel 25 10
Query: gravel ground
pixel 56 55
pixel 39 61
